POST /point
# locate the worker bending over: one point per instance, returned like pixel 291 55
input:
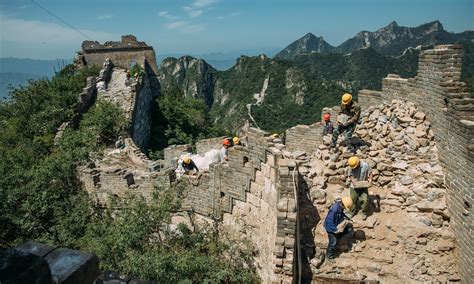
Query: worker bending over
pixel 189 165
pixel 337 224
pixel 360 177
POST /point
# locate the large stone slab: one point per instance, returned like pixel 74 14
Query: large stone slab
pixel 70 266
pixel 21 267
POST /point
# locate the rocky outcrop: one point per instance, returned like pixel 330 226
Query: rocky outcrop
pixel 192 77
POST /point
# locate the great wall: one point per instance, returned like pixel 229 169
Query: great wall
pixel 275 192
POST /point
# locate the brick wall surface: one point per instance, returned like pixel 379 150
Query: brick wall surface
pixel 438 91
pixel 304 137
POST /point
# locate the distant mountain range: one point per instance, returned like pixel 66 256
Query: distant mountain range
pixel 17 71
pixel 293 86
pixel 390 40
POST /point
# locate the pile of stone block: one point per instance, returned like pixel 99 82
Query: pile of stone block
pixel 397 142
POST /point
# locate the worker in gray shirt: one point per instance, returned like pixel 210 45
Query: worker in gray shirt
pixel 360 176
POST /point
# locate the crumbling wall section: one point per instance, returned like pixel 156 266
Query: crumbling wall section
pixel 122 53
pixel 119 181
pixel 438 92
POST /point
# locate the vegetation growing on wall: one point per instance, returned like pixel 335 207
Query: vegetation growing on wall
pixel 42 198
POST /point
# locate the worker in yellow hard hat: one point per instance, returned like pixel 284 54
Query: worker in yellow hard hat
pixel 360 176
pixel 189 165
pixel 236 141
pixel 337 225
pixel 351 111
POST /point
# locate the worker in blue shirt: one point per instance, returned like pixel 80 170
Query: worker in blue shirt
pixel 337 224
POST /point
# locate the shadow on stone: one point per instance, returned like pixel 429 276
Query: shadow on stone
pixel 308 218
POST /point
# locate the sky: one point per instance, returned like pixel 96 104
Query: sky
pixel 208 26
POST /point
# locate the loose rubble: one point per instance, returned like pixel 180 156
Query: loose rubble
pixel 407 236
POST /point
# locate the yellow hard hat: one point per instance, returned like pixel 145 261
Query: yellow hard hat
pixel 347 201
pixel 236 140
pixel 353 162
pixel 346 98
pixel 186 160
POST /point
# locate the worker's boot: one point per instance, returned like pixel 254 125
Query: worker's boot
pixel 364 216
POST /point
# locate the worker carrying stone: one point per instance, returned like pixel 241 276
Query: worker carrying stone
pixel 337 224
pixel 224 154
pixel 346 123
pixel 360 177
pixel 328 125
pixel 189 165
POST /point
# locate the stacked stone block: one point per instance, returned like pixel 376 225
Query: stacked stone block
pixel 304 137
pixel 285 255
pixel 438 92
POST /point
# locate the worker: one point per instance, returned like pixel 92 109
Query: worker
pixel 189 165
pixel 360 176
pixel 224 150
pixel 337 224
pixel 328 126
pixel 352 110
pixel 236 141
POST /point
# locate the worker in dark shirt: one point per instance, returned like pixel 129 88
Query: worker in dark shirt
pixel 328 126
pixel 189 165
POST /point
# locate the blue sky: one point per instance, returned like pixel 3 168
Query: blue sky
pixel 205 26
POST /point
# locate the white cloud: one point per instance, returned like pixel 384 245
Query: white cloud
pixel 203 3
pixel 186 27
pixel 104 17
pixel 167 15
pixel 175 25
pixel 37 32
pixel 195 14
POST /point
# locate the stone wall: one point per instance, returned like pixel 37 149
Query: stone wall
pixel 368 98
pixel 304 137
pixel 121 53
pixel 172 153
pixel 438 92
pixel 119 180
pixel 243 193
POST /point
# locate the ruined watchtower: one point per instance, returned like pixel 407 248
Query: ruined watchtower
pixel 121 53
